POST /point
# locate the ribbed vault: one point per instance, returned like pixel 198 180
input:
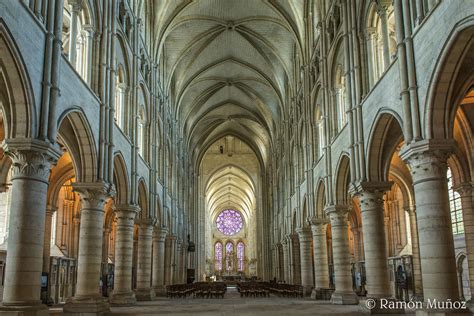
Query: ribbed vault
pixel 229 67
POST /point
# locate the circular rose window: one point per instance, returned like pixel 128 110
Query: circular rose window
pixel 229 222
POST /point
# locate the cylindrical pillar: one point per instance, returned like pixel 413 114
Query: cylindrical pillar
pixel 341 256
pixel 418 283
pixel 375 248
pixel 123 294
pixel 158 275
pixel 144 292
pixel 320 252
pixel 438 266
pixel 31 163
pixel 305 239
pixel 382 12
pixel 88 298
pixel 286 265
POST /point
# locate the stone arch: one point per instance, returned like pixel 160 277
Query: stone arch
pixel 143 199
pixel 121 180
pixel 320 199
pixel 304 212
pixel 449 82
pixel 75 133
pixel 17 101
pixel 384 137
pixel 342 180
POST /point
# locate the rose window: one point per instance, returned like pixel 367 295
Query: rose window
pixel 229 222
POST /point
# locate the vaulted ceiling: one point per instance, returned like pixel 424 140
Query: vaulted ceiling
pixel 229 67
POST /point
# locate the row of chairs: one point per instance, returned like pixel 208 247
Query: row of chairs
pixel 286 290
pixel 198 290
pixel 254 289
pixel 210 290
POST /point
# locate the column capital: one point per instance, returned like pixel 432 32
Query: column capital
pixel 318 221
pixel 171 237
pixel 76 5
pixel 31 158
pixel 50 210
pixel 124 211
pixel 373 187
pixel 145 222
pixel 304 234
pixel 465 188
pixel 428 158
pixel 160 233
pixel 93 195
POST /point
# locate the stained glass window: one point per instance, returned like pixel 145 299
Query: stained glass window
pixel 455 206
pixel 240 256
pixel 229 251
pixel 218 255
pixel 229 222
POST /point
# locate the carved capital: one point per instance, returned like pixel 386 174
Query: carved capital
pixel 304 234
pixel 465 189
pixel 76 6
pixel 160 234
pixel 93 195
pixel 126 212
pixel 337 214
pixel 31 158
pixel 428 158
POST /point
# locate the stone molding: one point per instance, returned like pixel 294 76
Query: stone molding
pixel 160 234
pixel 304 234
pixel 126 212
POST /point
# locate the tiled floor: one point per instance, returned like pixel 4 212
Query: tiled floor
pixel 232 304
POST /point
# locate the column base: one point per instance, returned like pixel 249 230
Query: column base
pixel 379 306
pixel 123 299
pixel 160 291
pixel 86 306
pixel 323 294
pixel 307 290
pixel 344 298
pixel 34 310
pixel 145 295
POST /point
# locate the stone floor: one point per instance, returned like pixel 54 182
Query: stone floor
pixel 233 304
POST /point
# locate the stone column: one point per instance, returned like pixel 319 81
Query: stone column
pixel 88 298
pixel 144 292
pixel 344 293
pixel 321 267
pixel 382 12
pixel 76 7
pixel 31 163
pixel 418 283
pixel 286 274
pixel 172 257
pixel 305 239
pixel 371 197
pixel 178 266
pixel 167 260
pixel 295 251
pixel 122 294
pixel 371 55
pixel 428 164
pixel 466 191
pixel 89 43
pixel 158 276
pixel 420 12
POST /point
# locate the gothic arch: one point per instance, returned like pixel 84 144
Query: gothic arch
pixel 449 83
pixel 121 180
pixel 17 101
pixel 384 137
pixel 342 180
pixel 143 199
pixel 75 133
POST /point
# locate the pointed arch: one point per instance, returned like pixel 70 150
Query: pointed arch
pixel 342 180
pixel 121 180
pixel 17 101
